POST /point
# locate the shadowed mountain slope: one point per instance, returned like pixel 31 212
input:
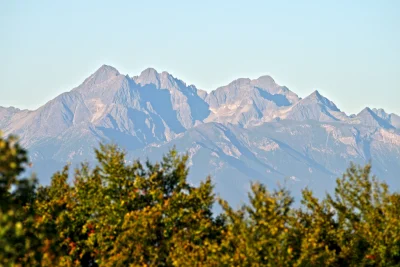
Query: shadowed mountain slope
pixel 244 131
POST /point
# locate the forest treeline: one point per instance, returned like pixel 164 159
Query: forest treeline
pixel 120 214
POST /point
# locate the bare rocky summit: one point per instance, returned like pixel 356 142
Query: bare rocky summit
pixel 247 130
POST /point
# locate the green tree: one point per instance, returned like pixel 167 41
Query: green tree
pixel 134 214
pixel 258 233
pixel 368 218
pixel 120 214
pixel 18 245
pixel 358 226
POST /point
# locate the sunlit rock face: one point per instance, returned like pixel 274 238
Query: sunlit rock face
pixel 245 131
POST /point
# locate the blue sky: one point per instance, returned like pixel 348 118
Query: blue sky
pixel 348 50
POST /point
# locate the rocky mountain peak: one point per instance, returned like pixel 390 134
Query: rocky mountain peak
pixel 238 83
pixel 381 113
pixel 148 76
pixel 366 112
pixel 104 73
pixel 368 117
pixel 316 97
pixel 248 129
pixel 316 94
pixel 264 81
pixel 162 80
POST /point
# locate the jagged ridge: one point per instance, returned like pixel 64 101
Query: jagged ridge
pixel 248 129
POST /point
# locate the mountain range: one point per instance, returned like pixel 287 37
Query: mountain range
pixel 248 130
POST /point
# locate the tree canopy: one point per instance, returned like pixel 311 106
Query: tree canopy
pixel 133 214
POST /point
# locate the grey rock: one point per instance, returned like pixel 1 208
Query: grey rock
pixel 247 130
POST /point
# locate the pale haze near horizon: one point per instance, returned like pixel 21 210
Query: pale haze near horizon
pixel 348 50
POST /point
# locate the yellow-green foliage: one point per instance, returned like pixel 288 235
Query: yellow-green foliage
pixel 119 214
pixel 18 243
